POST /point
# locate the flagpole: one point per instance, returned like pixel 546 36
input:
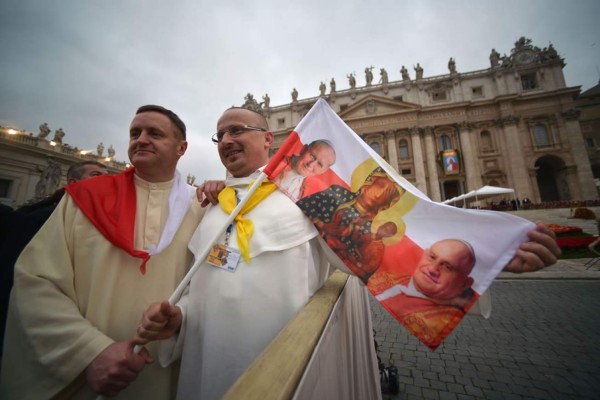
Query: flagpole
pixel 202 256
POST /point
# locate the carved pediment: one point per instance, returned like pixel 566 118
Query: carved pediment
pixel 376 106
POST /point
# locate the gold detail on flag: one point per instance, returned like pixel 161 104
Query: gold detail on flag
pixel 407 201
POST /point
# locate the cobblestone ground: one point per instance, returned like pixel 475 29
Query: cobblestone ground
pixel 541 342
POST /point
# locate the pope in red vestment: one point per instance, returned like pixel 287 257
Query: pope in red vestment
pixel 430 291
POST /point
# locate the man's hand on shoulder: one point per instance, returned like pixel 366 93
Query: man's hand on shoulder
pixel 209 191
pixel 537 253
pixel 115 368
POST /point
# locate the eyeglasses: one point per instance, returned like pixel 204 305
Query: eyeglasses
pixel 234 132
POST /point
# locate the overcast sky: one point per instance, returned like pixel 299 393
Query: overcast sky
pixel 85 66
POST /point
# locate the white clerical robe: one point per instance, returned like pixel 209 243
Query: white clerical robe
pixel 230 317
pixel 75 294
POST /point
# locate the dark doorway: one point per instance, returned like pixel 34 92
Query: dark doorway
pixel 551 177
pixel 451 189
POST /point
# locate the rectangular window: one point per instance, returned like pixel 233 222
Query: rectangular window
pixel 540 135
pixel 398 98
pixel 406 171
pixel 343 107
pixel 590 142
pixel 281 122
pixel 404 152
pixel 4 187
pixel 477 91
pixel 529 81
pixel 438 96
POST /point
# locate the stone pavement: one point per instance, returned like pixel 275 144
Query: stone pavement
pixel 541 342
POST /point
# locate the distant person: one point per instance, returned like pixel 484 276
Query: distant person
pixel 24 224
pixel 113 245
pixel 76 172
pixel 314 159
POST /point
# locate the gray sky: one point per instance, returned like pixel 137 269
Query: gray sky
pixel 86 66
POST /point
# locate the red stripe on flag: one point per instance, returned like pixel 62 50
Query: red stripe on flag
pixel 286 148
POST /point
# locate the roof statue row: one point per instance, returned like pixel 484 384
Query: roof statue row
pixel 100 150
pixel 523 54
pixel 59 134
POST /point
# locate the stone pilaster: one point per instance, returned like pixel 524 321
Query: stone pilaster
pixel 583 171
pixel 516 159
pixel 434 184
pixel 392 149
pixel 472 173
pixel 417 156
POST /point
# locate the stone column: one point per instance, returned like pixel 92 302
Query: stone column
pixel 417 156
pixel 585 188
pixel 434 184
pixel 392 151
pixel 472 173
pixel 516 159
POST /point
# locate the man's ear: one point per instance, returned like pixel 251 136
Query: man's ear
pixel 268 139
pixel 182 148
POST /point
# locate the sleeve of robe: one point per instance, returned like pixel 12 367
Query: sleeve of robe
pixel 45 302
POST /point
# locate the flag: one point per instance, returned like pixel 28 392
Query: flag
pixel 427 263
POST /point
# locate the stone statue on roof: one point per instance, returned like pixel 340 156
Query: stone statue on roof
pixel 59 134
pixel 351 80
pixel 44 130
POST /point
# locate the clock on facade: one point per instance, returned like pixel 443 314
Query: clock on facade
pixel 524 57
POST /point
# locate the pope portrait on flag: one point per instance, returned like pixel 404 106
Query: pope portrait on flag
pixel 427 263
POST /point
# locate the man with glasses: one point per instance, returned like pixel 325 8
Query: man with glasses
pixel 232 314
pixel 233 310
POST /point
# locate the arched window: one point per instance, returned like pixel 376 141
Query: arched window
pixel 376 146
pixel 403 146
pixel 486 141
pixel 540 135
pixel 445 142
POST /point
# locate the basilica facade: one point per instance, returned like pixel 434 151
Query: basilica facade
pixel 514 124
pixel 33 167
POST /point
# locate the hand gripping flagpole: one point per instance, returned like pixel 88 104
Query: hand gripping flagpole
pixel 202 256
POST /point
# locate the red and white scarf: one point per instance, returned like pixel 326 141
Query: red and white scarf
pixel 109 203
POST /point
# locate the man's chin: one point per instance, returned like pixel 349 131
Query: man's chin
pixel 141 161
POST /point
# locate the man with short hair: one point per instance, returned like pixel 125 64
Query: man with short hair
pixel 76 172
pixel 23 224
pixel 232 312
pixel 113 245
pixel 85 169
pixel 230 317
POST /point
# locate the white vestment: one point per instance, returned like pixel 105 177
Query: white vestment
pixel 290 182
pixel 75 293
pixel 230 317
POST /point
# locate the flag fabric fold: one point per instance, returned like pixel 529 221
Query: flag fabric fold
pixel 427 263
